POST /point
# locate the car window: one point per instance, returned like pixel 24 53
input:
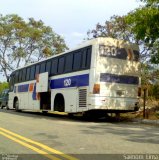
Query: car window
pixel 4 93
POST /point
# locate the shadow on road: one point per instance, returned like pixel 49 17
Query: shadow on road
pixel 138 133
pixel 129 131
pixel 57 116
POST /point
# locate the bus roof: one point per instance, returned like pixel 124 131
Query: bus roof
pixel 85 44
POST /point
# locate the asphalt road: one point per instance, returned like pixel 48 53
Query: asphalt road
pixel 26 135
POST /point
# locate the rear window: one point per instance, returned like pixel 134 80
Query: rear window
pixel 136 55
pixel 119 53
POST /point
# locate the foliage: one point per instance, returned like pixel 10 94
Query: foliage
pixel 24 42
pixel 145 27
pixel 150 80
pixel 140 26
pixel 116 27
pixel 154 91
pixel 3 86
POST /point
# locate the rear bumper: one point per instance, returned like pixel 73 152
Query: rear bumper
pixel 114 103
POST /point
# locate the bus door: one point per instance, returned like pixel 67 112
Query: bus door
pixel 42 91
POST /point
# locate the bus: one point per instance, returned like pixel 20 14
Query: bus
pixel 100 75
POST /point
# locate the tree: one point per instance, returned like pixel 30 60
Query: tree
pixel 24 42
pixel 145 27
pixel 144 24
pixel 140 26
pixel 116 27
pixel 3 85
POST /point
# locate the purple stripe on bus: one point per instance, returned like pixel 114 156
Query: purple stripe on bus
pixel 113 78
pixel 74 81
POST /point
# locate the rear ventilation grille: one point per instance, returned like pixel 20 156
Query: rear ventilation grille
pixel 83 98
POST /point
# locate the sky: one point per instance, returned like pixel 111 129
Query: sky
pixel 69 18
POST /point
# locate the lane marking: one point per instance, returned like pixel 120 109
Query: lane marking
pixel 40 145
pixel 30 147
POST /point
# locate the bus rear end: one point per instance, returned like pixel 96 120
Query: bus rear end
pixel 116 80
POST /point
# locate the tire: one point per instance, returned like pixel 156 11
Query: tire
pixel 16 104
pixel 1 106
pixel 59 103
pixel 71 115
pixel 7 107
pixel 59 107
pixel 44 112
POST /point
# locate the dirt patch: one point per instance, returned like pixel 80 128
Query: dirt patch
pixel 150 113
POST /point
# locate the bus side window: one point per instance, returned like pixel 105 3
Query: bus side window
pixel 54 66
pixel 42 67
pixel 28 74
pixel 88 59
pixel 37 71
pixel 84 57
pixel 77 61
pixel 48 67
pixel 32 74
pixel 16 76
pixel 20 76
pixel 61 65
pixel 24 74
pixel 68 63
pixel 13 79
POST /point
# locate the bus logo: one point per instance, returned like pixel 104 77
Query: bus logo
pixel 67 82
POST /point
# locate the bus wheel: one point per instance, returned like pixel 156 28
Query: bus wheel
pixel 7 107
pixel 71 115
pixel 59 103
pixel 16 105
pixel 1 106
pixel 44 112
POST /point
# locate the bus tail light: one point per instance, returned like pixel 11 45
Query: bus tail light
pixel 139 92
pixel 96 89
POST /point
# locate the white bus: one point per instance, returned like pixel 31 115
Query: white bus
pixel 100 75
